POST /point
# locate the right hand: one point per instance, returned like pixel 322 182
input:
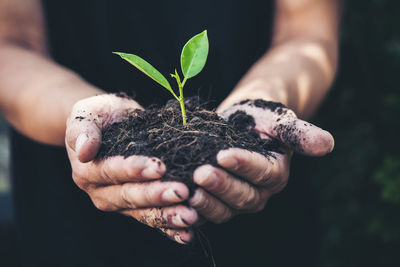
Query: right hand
pixel 130 186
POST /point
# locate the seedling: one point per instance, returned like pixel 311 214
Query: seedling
pixel 193 58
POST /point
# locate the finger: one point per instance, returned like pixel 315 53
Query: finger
pixel 259 170
pixel 87 119
pixel 117 170
pixel 175 217
pixel 280 122
pixel 138 195
pixel 303 137
pixel 184 236
pixel 209 207
pixel 83 136
pixel 234 192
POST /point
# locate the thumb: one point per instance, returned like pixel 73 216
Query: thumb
pixel 84 137
pixel 279 122
pixel 303 137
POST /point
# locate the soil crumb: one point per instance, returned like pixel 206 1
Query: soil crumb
pixel 158 132
pixel 273 106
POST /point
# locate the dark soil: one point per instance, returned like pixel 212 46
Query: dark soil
pixel 158 131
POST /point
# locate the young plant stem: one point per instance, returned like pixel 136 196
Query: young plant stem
pixel 182 101
pixel 184 118
pixel 181 98
pixel 193 58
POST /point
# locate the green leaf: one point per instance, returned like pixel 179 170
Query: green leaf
pixel 194 55
pixel 147 69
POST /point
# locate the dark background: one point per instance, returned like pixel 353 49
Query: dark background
pixel 358 185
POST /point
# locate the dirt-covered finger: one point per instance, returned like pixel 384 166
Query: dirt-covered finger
pixel 117 169
pixel 83 136
pixel 183 236
pixel 174 217
pixel 254 167
pixel 138 195
pixel 278 121
pixel 88 118
pixel 234 192
pixel 210 207
pixel 303 137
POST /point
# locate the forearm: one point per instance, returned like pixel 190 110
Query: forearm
pixel 36 94
pixel 297 73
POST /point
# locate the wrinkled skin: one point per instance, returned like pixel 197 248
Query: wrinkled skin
pixel 131 186
pixel 221 195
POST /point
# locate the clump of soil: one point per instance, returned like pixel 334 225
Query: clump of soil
pixel 158 132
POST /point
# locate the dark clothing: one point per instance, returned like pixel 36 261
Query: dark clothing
pixel 57 223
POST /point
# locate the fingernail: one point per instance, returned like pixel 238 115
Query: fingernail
pixel 227 161
pixel 179 240
pixel 196 198
pixel 170 195
pixel 186 238
pixel 178 221
pixel 333 144
pixel 150 172
pixel 82 138
pixel 206 178
pixel 331 149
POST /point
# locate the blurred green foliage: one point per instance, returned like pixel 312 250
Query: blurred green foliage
pixel 359 183
pixel 388 176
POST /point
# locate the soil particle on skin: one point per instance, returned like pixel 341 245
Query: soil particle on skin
pixel 122 95
pixel 158 132
pixel 279 108
pixel 286 129
pixel 152 219
pixel 80 118
pixel 290 134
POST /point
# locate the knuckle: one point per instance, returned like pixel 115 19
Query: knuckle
pixel 264 178
pixel 125 195
pixel 253 198
pixel 240 203
pixel 80 181
pixel 247 199
pixel 149 193
pixel 106 172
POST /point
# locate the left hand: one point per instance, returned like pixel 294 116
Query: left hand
pixel 221 194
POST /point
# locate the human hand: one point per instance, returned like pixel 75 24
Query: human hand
pixel 246 180
pixel 131 185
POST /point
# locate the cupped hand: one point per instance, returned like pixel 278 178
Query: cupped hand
pixel 131 185
pixel 244 180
